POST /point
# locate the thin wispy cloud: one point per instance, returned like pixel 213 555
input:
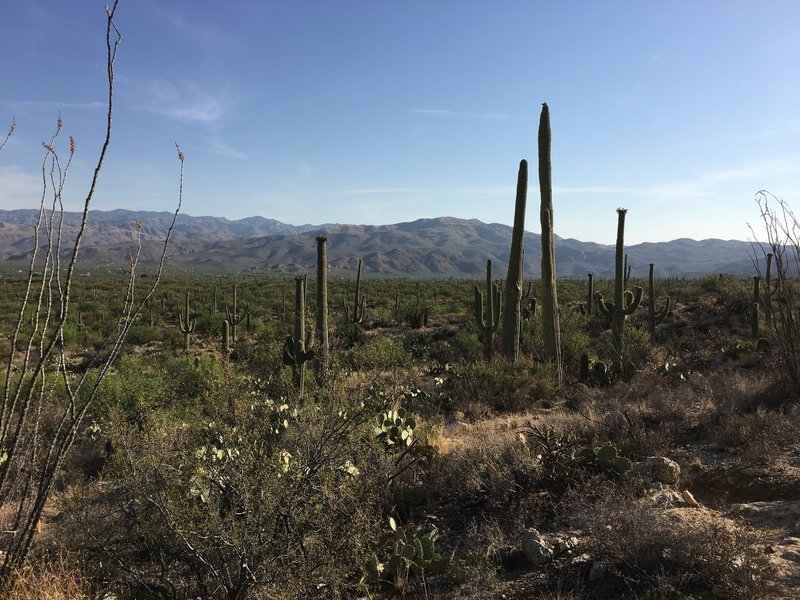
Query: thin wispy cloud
pixel 186 102
pixel 220 148
pixel 377 191
pixel 52 104
pixel 452 114
pixel 188 28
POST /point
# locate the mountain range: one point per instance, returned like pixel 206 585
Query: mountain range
pixel 442 247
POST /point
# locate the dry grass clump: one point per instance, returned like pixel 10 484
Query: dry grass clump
pixel 661 553
pixel 481 471
pixel 49 578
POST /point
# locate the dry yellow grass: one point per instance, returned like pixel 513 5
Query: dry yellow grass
pixel 49 579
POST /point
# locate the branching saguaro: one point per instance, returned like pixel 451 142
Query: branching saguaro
pixel 782 228
pixel 37 384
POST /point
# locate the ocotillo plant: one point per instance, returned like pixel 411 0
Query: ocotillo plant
pixel 488 320
pixel 295 352
pixel 234 317
pixel 625 302
pixel 551 333
pixel 512 308
pixel 186 323
pixel 655 316
pixel 321 361
pixel 359 302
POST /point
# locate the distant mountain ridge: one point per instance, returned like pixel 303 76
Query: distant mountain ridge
pixel 440 247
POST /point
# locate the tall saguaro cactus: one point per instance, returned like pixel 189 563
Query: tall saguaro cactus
pixel 321 360
pixel 296 352
pixel 513 300
pixel 551 333
pixel 488 320
pixel 625 302
pixel 235 318
pixel 359 303
pixel 186 323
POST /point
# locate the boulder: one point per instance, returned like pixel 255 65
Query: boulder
pixel 658 468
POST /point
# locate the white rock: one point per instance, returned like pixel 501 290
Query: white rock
pixel 536 549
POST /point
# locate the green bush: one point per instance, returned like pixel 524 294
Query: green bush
pixel 500 385
pixel 378 354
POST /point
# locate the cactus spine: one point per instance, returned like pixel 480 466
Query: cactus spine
pixel 551 333
pixel 513 300
pixel 234 318
pixel 359 303
pixel 296 352
pixel 655 316
pixel 321 361
pixel 625 302
pixel 488 320
pixel 186 323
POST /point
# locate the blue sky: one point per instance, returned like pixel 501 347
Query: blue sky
pixel 375 112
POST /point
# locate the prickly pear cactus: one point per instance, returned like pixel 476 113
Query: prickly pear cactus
pixel 395 427
pixel 412 553
pixel 605 458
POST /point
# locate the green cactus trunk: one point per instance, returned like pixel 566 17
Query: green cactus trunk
pixel 226 337
pixel 551 332
pixel 297 349
pixel 756 304
pixel 590 296
pixel 298 368
pixel 321 361
pixel 769 289
pixel 513 299
pixel 358 314
pixel 625 303
pixel 488 320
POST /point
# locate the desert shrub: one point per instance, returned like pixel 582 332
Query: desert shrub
pixel 133 387
pixel 664 554
pixel 468 344
pixel 380 353
pixel 139 335
pixel 267 500
pixel 499 385
pixel 761 435
pixel 483 473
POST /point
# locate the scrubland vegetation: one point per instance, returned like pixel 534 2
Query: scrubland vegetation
pixel 416 467
pixel 234 437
